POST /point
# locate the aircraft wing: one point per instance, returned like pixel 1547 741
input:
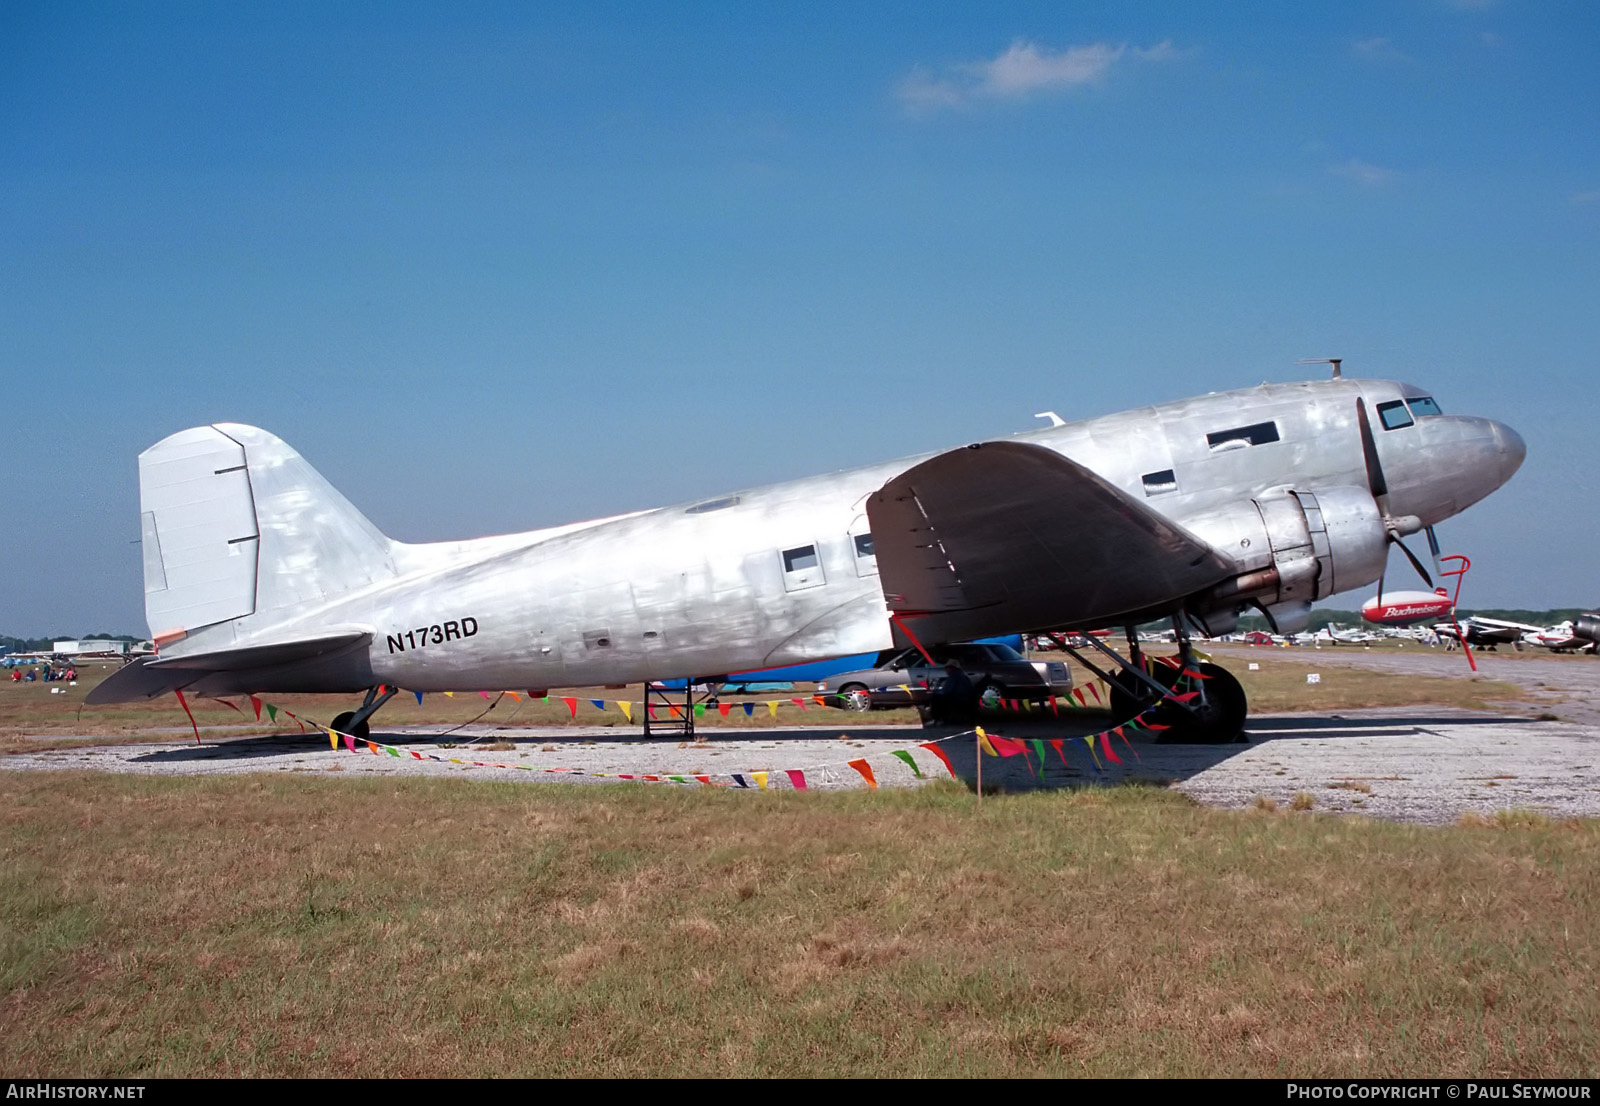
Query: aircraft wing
pixel 1016 535
pixel 225 670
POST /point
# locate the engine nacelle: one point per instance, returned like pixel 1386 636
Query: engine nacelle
pixel 1293 547
pixel 1587 626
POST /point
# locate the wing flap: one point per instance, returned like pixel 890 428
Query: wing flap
pixel 1007 537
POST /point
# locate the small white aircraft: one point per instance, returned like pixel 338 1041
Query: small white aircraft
pixel 260 577
pixel 1335 634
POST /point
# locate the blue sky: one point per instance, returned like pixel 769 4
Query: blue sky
pixel 491 267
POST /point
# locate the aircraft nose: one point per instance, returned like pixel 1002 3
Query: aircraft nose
pixel 1512 449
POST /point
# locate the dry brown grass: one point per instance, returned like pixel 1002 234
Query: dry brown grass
pixel 304 926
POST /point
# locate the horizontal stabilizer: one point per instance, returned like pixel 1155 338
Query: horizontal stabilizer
pixel 149 677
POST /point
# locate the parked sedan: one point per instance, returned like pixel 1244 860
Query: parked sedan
pixel 996 671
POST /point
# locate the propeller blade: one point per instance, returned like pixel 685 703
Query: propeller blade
pixel 1369 449
pixel 1433 548
pixel 1416 564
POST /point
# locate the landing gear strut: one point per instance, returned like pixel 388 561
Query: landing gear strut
pixel 354 722
pixel 1215 715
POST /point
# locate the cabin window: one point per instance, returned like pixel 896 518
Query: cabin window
pixel 866 554
pixel 1424 405
pixel 802 568
pixel 597 639
pixel 1394 415
pixel 1240 437
pixel 798 560
pixel 712 505
pixel 1159 483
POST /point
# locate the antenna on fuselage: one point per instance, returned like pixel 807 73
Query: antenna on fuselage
pixel 1334 361
pixel 1055 419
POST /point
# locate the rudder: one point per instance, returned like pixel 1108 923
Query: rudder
pixel 239 528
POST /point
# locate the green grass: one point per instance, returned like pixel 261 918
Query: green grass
pixel 274 926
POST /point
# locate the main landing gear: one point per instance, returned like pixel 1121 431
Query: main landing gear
pixel 354 722
pixel 1214 716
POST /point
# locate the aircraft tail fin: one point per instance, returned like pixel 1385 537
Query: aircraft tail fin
pixel 238 528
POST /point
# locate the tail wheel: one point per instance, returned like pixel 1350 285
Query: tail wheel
pixel 346 723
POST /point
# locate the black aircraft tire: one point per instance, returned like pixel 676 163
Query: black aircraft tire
pixel 1125 707
pixel 1219 720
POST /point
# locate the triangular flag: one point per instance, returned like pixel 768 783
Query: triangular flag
pixel 772 706
pixel 749 709
pixel 705 780
pixel 1056 743
pixel 801 703
pixel 254 702
pixel 599 704
pixel 983 742
pixel 449 695
pixel 333 741
pixel 723 709
pixel 418 694
pixel 572 706
pixel 761 780
pixel 675 779
pixel 1094 689
pixel 866 772
pixel 905 756
pixel 940 753
pixel 673 711
pixel 373 749
pixel 1077 693
pixel 1089 740
pixel 626 708
pixel 1129 744
pixel 699 710
pixel 349 743
pixel 1007 746
pixel 272 712
pixel 738 779
pixel 797 778
pixel 1038 747
pixel 485 694
pixel 821 700
pixel 1053 709
pixel 190 713
pixel 1105 743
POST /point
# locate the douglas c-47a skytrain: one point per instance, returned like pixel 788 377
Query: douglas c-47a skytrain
pixel 261 578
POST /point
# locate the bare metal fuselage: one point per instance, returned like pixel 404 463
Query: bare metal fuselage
pixel 703 589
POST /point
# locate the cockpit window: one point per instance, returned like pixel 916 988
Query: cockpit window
pixel 1394 415
pixel 1424 405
